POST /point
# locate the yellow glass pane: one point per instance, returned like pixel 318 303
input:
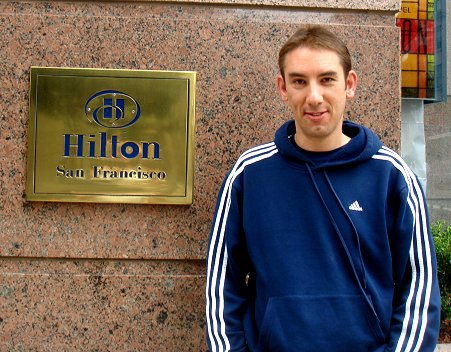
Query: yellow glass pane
pixel 408 10
pixel 409 79
pixel 423 5
pixel 409 62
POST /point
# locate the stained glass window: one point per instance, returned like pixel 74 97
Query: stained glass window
pixel 416 20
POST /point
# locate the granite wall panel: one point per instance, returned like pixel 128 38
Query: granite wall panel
pixel 150 258
pixel 101 306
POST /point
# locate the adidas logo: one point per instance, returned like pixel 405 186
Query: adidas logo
pixel 355 206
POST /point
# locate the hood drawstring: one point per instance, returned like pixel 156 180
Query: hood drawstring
pixel 340 236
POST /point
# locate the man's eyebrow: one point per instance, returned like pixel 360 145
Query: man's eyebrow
pixel 324 74
pixel 329 74
pixel 295 74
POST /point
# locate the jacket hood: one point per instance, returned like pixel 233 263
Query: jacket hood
pixel 362 146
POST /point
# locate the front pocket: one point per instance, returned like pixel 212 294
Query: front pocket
pixel 342 323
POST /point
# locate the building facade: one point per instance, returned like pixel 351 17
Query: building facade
pixel 128 277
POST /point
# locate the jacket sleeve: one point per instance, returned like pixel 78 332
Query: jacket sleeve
pixel 416 307
pixel 226 289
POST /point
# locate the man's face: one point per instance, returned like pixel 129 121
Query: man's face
pixel 316 90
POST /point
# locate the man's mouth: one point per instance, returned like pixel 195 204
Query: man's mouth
pixel 315 115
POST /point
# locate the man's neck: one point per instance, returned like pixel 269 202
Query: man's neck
pixel 321 144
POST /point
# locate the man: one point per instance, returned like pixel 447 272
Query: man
pixel 320 240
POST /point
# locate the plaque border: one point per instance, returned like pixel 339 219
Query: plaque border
pixel 31 195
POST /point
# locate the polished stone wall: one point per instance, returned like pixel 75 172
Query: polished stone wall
pixel 121 277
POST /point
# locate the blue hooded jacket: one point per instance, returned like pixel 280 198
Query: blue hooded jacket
pixel 326 253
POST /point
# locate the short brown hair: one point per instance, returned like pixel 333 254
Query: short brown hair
pixel 316 37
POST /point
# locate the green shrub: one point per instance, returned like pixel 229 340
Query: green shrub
pixel 441 233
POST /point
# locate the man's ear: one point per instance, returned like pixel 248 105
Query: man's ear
pixel 351 84
pixel 281 87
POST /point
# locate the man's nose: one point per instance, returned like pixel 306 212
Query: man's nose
pixel 314 95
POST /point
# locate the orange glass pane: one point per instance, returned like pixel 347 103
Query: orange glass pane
pixel 422 59
pixel 422 80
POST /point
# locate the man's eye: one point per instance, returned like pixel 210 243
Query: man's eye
pixel 298 81
pixel 328 79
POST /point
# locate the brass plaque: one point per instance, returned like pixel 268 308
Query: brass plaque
pixel 111 136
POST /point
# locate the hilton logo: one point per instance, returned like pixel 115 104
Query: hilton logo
pixel 112 109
